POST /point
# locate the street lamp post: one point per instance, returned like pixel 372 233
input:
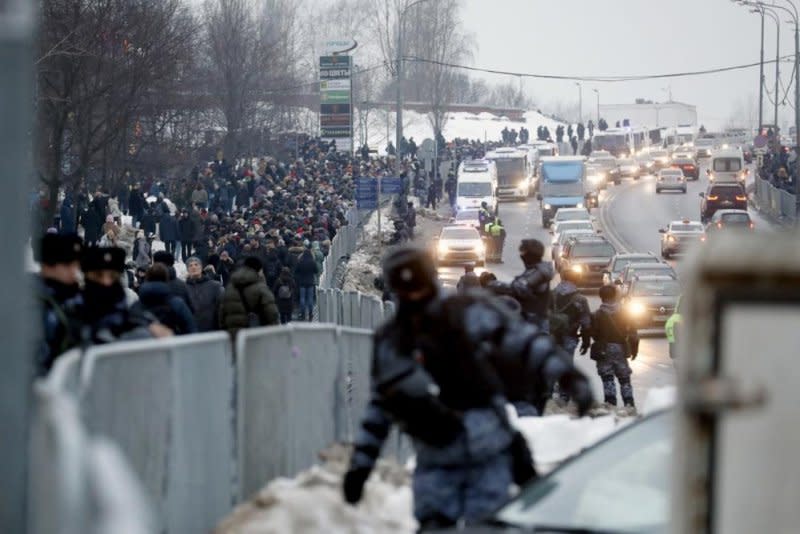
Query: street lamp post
pixel 400 31
pixel 580 102
pixel 598 104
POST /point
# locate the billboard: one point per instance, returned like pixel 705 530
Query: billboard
pixel 335 97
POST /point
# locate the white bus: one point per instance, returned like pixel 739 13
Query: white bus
pixel 622 142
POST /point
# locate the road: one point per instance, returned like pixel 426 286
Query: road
pixel 630 216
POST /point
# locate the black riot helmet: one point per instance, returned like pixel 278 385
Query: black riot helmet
pixel 410 274
pixel 531 251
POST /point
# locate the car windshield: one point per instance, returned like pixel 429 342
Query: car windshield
pixel 600 249
pixel 572 215
pixel 648 270
pixel 459 233
pixel 735 218
pixel 593 491
pixel 727 164
pixel 474 189
pixel 574 225
pixel 564 237
pixel 656 288
pixel 621 263
pixel 697 227
pixel 563 172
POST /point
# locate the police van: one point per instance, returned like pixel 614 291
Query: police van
pixel 477 183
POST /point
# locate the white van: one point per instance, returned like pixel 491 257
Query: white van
pixel 727 166
pixel 477 183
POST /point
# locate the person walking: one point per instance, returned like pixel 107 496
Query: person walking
pixel 614 341
pixel 205 295
pixel 247 301
pixel 305 273
pixel 186 234
pixel 285 291
pixel 156 298
pixel 570 319
pixel 142 251
pixel 168 231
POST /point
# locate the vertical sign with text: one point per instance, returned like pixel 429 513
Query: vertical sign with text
pixel 335 101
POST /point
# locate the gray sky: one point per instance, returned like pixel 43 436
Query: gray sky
pixel 631 37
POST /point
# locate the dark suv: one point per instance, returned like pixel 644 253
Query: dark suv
pixel 588 256
pixel 722 196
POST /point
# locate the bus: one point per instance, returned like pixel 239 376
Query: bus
pixel 514 172
pixel 621 142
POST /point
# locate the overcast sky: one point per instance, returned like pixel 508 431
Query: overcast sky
pixel 630 37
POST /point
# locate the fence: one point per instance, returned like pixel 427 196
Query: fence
pixel 78 484
pixel 342 245
pixel 776 202
pixel 201 436
pixel 351 308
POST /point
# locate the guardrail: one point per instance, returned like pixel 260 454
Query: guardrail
pixel 201 434
pixel 774 201
pixel 78 484
pixel 343 244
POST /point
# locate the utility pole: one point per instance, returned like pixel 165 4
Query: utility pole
pixel 16 55
pixel 761 79
pixel 580 102
pixel 400 74
pixel 598 104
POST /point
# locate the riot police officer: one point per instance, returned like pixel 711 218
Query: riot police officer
pixel 570 319
pixel 532 287
pixel 615 340
pixel 442 370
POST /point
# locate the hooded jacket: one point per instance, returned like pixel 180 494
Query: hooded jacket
pixel 305 272
pixel 170 310
pixel 246 283
pixel 205 295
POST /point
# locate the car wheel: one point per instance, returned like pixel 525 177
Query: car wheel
pixel 658 191
pixel 665 254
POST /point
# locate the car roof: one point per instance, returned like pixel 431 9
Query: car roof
pixel 654 278
pixel 628 255
pixel 589 238
pixel 662 266
pixel 685 221
pixel 569 210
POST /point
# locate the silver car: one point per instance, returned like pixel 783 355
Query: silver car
pixel 671 179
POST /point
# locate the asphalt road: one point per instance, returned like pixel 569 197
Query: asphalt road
pixel 630 216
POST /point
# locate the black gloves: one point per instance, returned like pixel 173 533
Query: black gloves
pixel 353 485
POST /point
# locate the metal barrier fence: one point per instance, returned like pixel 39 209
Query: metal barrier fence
pixel 78 484
pixel 168 405
pixel 343 244
pixel 774 201
pixel 201 436
pixel 351 308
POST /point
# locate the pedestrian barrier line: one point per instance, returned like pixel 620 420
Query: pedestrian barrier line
pixel 774 201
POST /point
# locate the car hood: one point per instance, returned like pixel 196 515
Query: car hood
pixel 655 301
pixel 591 261
pixel 461 242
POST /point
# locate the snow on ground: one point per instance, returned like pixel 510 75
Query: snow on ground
pixel 459 125
pixel 312 502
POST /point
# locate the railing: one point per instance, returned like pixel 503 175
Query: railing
pixel 201 432
pixel 351 308
pixel 774 201
pixel 343 244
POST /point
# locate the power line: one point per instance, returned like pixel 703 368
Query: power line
pixel 599 79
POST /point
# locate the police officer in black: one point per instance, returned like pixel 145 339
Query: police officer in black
pixel 443 370
pixel 570 319
pixel 58 293
pixel 532 287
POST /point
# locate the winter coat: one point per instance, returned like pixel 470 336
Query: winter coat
pixel 67 217
pixel 305 271
pixel 197 226
pixel 170 310
pixel 205 295
pixel 185 231
pixel 148 224
pixel 200 196
pixel 319 257
pixel 91 225
pixel 136 203
pixel 285 305
pixel 141 253
pixel 168 228
pixel 258 299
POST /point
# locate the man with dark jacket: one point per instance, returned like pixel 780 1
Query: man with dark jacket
pixel 247 300
pixel 285 290
pixel 205 295
pixel 570 319
pixel 615 340
pixel 305 273
pixel 411 219
pixel 185 234
pixel 156 297
pixel 445 379
pixel 168 231
pixel 532 287
pixel 136 204
pixel 176 285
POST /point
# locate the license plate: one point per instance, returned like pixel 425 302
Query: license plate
pixel 660 318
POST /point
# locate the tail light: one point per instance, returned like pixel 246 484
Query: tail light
pixel 752 225
pixel 741 198
pixel 702 238
pixel 712 197
pixel 719 225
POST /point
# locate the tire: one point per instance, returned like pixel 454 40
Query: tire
pixel 658 191
pixel 665 254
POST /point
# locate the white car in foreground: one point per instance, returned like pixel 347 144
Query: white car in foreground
pixel 460 244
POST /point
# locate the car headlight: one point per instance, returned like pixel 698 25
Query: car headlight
pixel 479 247
pixel 649 164
pixel 577 269
pixel 547 206
pixel 671 238
pixel 636 308
pixel 579 205
pixel 443 248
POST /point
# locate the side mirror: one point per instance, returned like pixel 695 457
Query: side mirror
pixel 701 195
pixel 538 196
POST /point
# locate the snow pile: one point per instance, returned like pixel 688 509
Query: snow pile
pixel 463 125
pixel 312 502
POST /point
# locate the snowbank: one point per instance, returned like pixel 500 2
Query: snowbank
pixel 462 125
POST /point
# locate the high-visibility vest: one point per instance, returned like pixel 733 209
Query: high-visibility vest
pixel 669 327
pixel 495 230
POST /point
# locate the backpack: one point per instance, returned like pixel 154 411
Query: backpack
pixel 560 320
pixel 285 292
pixel 253 320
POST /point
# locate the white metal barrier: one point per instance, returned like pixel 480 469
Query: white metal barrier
pixel 78 484
pixel 351 308
pixel 168 404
